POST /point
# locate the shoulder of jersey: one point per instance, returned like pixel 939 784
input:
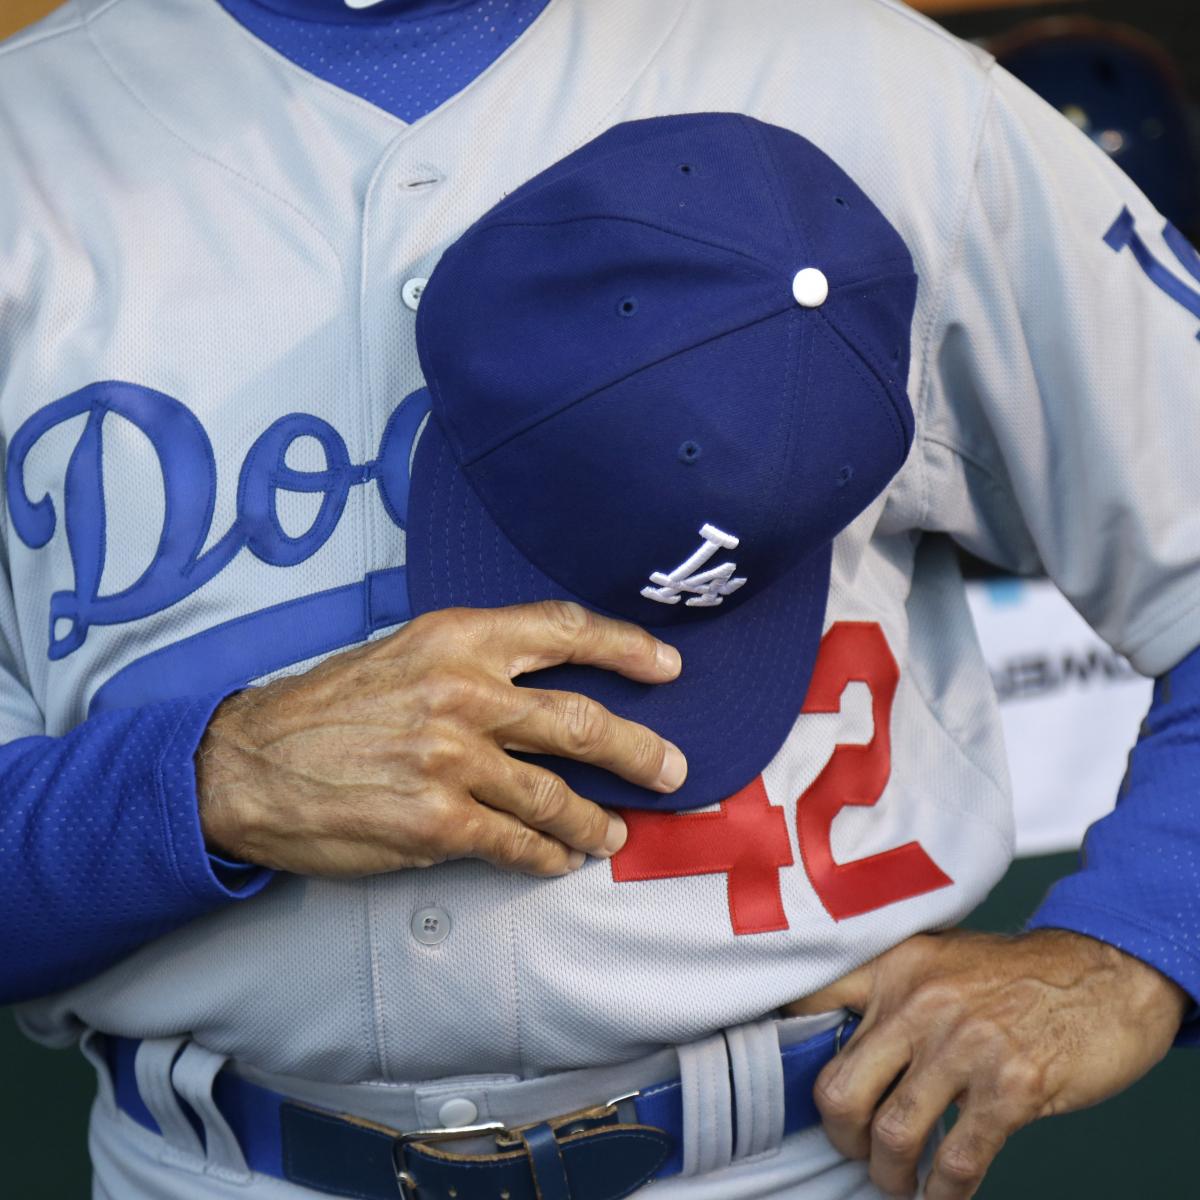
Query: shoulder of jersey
pixel 39 69
pixel 806 19
pixel 49 71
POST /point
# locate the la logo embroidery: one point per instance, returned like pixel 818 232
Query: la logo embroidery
pixel 708 588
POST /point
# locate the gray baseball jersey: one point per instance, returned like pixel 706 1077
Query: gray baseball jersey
pixel 188 213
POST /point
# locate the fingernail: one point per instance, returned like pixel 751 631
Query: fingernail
pixel 669 661
pixel 674 768
pixel 575 860
pixel 618 831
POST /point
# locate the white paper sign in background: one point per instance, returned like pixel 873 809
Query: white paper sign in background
pixel 1071 709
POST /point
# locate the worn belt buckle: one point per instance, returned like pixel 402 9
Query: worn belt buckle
pixel 505 1138
pixel 405 1181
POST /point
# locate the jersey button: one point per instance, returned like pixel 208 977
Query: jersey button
pixel 411 292
pixel 431 926
pixel 456 1113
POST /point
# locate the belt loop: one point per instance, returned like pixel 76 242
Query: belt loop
pixel 92 1046
pixel 193 1076
pixel 757 1070
pixel 545 1162
pixel 152 1069
pixel 707 1106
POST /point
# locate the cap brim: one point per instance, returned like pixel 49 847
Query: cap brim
pixel 745 673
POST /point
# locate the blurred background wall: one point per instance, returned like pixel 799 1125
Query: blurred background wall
pixel 14 14
pixel 1070 706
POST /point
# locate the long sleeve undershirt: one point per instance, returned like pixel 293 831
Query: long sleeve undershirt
pixel 1138 882
pixel 100 845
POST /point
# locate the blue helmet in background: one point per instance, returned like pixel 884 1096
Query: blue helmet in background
pixel 1124 90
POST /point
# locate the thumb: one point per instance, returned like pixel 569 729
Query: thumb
pixel 851 991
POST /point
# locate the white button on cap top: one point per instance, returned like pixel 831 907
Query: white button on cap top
pixel 411 292
pixel 810 287
pixel 456 1113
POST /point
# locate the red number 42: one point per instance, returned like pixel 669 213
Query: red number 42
pixel 747 840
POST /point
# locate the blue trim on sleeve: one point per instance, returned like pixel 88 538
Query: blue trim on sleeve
pixel 1138 883
pixel 230 874
pixel 101 849
pixel 206 876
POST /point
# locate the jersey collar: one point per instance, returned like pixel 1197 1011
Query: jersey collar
pixel 344 11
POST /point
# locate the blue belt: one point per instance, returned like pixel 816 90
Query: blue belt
pixel 586 1155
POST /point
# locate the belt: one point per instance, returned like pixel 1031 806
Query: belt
pixel 597 1153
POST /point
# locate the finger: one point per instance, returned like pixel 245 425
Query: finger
pixel 506 841
pixel 536 636
pixel 575 726
pixel 850 1088
pixel 540 800
pixel 905 1121
pixel 851 991
pixel 970 1147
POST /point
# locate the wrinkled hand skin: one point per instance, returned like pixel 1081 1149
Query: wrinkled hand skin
pixel 394 755
pixel 1011 1029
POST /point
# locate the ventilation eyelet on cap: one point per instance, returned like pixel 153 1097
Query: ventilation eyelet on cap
pixel 810 288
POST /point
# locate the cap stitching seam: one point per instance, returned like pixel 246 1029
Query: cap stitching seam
pixel 876 278
pixel 857 364
pixel 487 451
pixel 855 357
pixel 782 209
pixel 479 454
pixel 585 217
pixel 791 410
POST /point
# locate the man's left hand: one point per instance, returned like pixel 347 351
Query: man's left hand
pixel 1010 1029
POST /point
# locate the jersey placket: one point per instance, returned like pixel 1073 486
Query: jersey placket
pixel 436 178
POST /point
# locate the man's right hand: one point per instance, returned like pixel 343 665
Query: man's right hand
pixel 393 754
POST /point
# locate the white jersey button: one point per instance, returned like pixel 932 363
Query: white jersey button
pixel 456 1113
pixel 411 292
pixel 431 926
pixel 810 287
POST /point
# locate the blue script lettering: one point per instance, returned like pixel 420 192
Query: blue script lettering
pixel 188 467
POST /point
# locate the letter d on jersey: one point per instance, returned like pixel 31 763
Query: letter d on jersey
pixel 253 644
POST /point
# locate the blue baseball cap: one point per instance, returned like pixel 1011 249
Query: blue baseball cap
pixel 664 374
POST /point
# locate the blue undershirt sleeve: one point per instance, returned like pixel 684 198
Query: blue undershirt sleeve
pixel 1138 882
pixel 101 849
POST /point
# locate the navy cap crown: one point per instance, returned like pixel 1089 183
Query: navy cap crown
pixel 617 357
